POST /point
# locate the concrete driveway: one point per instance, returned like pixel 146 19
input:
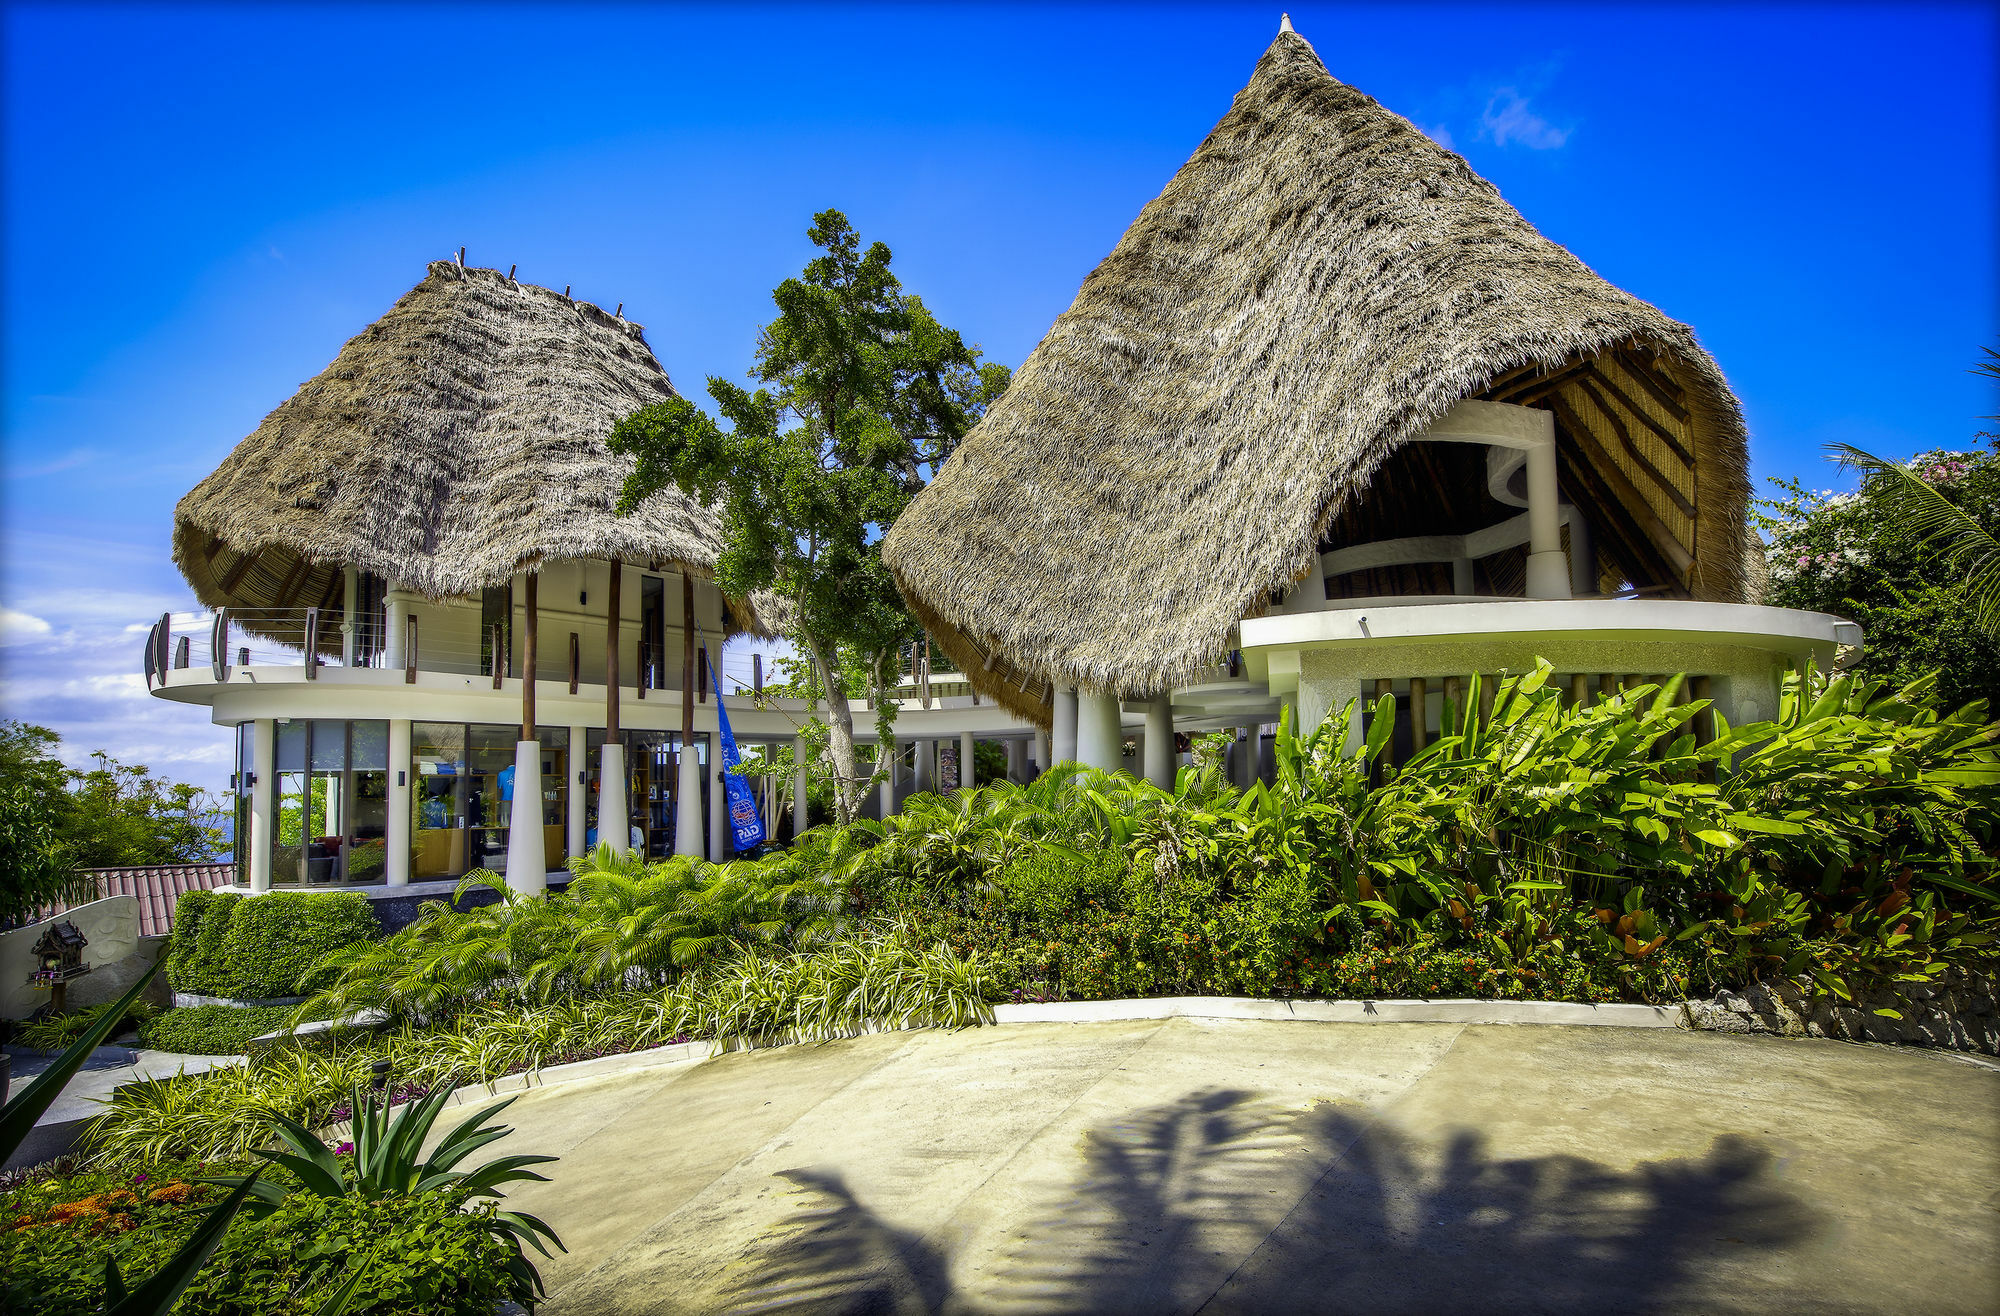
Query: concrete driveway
pixel 1186 1165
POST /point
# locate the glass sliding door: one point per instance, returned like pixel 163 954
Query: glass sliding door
pixel 366 857
pixel 438 800
pixel 293 804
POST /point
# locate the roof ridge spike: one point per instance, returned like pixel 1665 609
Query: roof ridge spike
pixel 1284 23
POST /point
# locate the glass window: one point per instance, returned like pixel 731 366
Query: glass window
pixel 291 745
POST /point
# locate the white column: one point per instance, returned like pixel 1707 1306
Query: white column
pixel 926 760
pixel 885 762
pixel 396 835
pixel 1017 760
pixel 395 611
pixel 801 805
pixel 613 816
pixel 350 602
pixel 1160 740
pixel 687 805
pixel 1548 569
pixel 263 799
pixel 1062 743
pixel 527 859
pixel 966 748
pixel 1042 747
pixel 579 823
pixel 1100 739
pixel 718 802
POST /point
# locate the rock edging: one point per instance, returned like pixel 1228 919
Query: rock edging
pixel 1960 1012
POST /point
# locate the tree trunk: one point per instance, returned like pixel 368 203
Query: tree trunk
pixel 847 788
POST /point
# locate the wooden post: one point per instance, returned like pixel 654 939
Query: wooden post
pixel 1579 690
pixel 701 673
pixel 687 662
pixel 409 650
pixel 611 663
pixel 496 657
pixel 575 660
pixel 1420 695
pixel 528 661
pixel 312 643
pixel 1451 716
pixel 757 674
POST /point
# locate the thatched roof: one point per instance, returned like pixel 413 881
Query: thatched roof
pixel 1317 285
pixel 456 440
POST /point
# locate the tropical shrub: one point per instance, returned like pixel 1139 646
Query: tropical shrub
pixel 1860 555
pixel 55 1032
pixel 265 947
pixel 212 1030
pixel 416 1255
pixel 881 980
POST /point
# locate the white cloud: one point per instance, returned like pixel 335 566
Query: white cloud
pixel 20 627
pixel 1507 120
pixel 73 458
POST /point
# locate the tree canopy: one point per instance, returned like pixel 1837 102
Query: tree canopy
pixel 55 819
pixel 861 395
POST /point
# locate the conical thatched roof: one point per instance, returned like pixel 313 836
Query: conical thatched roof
pixel 454 441
pixel 1317 285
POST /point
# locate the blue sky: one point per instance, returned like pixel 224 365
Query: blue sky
pixel 202 204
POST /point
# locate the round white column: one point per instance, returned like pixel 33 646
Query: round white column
pixel 801 804
pixel 1100 739
pixel 527 860
pixel 966 748
pixel 1017 760
pixel 926 759
pixel 1548 568
pixel 687 805
pixel 1160 741
pixel 576 815
pixel 396 832
pixel 1062 742
pixel 614 818
pixel 1042 747
pixel 263 798
pixel 885 763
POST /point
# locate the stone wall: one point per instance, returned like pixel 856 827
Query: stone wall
pixel 1959 1013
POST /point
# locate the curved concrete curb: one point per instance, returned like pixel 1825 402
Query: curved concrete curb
pixel 625 1062
pixel 1344 1012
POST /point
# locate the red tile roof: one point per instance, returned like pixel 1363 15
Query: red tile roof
pixel 158 887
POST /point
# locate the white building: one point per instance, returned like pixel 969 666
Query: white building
pixel 1333 421
pixel 423 598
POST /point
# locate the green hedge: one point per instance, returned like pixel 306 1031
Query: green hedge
pixel 212 1030
pixel 266 946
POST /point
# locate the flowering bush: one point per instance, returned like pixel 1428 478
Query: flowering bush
pixel 1849 554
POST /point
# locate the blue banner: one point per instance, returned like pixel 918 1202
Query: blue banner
pixel 744 824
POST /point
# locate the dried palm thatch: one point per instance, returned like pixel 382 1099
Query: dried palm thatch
pixel 1316 286
pixel 456 440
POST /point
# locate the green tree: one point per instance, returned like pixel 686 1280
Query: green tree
pixel 55 819
pixel 863 394
pixel 1910 555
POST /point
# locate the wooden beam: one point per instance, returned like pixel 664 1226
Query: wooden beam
pixel 291 582
pixel 528 635
pixel 1667 436
pixel 1522 393
pixel 237 570
pixel 1664 391
pixel 1659 477
pixel 1606 467
pixel 611 655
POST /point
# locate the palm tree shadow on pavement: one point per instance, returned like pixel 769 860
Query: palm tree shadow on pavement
pixel 1222 1201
